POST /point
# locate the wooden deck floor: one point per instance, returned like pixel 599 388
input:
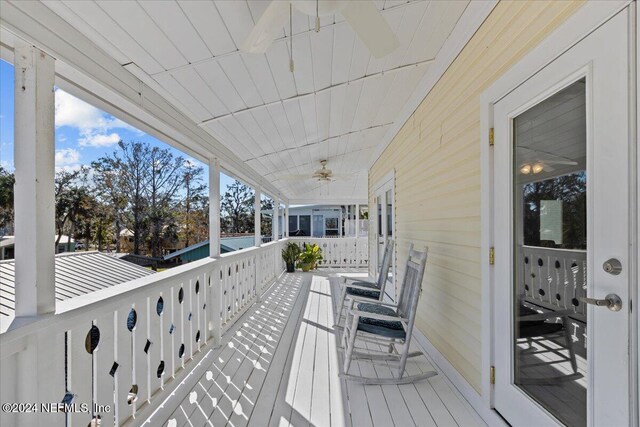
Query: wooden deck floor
pixel 278 366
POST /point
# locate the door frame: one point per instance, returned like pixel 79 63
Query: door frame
pixel 387 182
pixel 586 20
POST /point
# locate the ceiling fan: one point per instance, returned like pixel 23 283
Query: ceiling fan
pixel 321 175
pixel 542 161
pixel 363 16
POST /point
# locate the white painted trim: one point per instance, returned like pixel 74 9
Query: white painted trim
pixel 635 197
pixel 34 199
pixel 472 18
pixel 214 208
pixel 257 217
pixel 457 381
pixel 384 184
pixel 579 25
pixel 274 219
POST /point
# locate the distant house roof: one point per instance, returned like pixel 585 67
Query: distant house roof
pixel 185 250
pixel 227 244
pixel 77 274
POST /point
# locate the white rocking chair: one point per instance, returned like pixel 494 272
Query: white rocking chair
pixel 387 324
pixel 373 291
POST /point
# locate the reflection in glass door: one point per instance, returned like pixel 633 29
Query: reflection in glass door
pixel 383 198
pixel 550 205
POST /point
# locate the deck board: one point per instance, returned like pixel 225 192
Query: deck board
pixel 279 365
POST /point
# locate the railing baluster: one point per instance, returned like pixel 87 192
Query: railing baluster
pixel 104 356
pixel 80 371
pixel 158 366
pixel 217 301
pixel 189 318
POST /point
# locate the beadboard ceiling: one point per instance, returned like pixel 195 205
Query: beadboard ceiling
pixel 339 104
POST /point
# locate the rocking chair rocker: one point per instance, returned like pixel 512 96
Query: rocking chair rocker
pixel 388 325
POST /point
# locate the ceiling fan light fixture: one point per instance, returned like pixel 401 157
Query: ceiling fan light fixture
pixel 525 169
pixel 537 168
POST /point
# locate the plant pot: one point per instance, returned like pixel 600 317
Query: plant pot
pixel 306 267
pixel 291 267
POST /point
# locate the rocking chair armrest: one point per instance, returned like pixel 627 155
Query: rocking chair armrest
pixel 364 288
pixel 377 316
pixel 356 298
pixel 345 280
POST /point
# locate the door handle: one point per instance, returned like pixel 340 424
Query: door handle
pixel 611 301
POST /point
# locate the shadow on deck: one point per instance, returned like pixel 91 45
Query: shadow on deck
pixel 279 365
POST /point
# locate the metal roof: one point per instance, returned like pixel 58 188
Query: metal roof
pixel 77 274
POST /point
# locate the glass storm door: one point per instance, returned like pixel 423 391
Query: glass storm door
pixel 562 267
pixel 385 232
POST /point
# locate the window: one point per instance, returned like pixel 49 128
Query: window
pixel 555 212
pixel 305 225
pixel 293 223
pixel 331 227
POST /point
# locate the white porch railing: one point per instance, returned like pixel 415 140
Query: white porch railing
pixel 340 251
pixel 118 352
pixel 556 279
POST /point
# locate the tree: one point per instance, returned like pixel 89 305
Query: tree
pixel 7 181
pixel 165 178
pixel 266 222
pixel 126 171
pixel 108 186
pixel 236 209
pixel 571 190
pixel 72 201
pixel 194 207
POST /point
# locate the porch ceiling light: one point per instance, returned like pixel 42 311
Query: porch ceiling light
pixel 527 168
pixel 538 167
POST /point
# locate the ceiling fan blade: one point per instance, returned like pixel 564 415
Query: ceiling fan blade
pixel 292 177
pixel 560 162
pixel 265 30
pixel 545 157
pixel 371 27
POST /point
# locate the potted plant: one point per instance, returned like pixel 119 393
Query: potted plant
pixel 309 257
pixel 290 256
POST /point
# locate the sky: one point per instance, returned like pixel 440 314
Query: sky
pixel 83 133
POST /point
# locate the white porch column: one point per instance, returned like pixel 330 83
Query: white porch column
pixel 286 213
pixel 34 189
pixel 214 208
pixel 275 220
pixel 256 207
pixel 357 220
